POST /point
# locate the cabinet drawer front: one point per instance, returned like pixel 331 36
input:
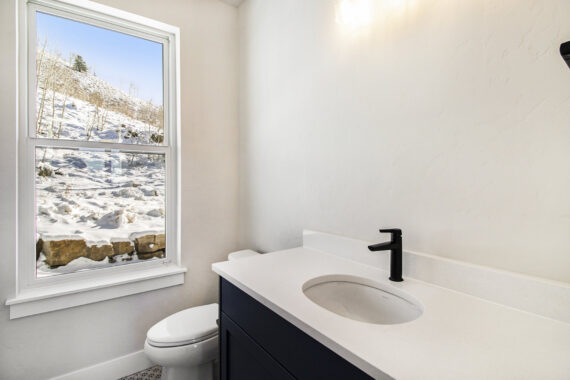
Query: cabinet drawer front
pixel 301 355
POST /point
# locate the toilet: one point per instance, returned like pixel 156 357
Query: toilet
pixel 185 344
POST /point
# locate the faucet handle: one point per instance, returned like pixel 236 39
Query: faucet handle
pixel 396 232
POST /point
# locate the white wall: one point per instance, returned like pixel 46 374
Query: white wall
pixel 449 119
pixel 46 345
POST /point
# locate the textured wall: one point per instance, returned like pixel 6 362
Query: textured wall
pixel 46 345
pixel 446 118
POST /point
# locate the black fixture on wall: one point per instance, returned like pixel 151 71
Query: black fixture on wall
pixel 565 52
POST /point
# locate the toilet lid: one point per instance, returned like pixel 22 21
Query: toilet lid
pixel 185 327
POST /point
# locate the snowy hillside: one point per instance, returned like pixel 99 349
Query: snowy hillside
pixel 78 105
pixel 81 120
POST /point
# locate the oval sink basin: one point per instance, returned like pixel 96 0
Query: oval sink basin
pixel 362 299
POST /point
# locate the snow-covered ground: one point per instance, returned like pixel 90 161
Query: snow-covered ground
pixel 98 196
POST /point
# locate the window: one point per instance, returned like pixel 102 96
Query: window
pixel 98 165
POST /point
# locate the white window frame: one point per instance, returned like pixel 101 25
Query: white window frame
pixel 39 295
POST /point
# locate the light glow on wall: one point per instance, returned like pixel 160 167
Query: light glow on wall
pixel 353 13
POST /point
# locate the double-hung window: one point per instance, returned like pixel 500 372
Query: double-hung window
pixel 98 182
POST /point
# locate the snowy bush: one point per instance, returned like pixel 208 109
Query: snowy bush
pixel 44 171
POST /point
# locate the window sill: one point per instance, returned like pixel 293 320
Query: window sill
pixel 63 296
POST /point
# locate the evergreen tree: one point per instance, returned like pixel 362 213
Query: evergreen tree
pixel 79 64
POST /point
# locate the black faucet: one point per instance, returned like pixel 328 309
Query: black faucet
pixel 395 248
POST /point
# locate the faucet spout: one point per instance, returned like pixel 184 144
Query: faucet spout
pixel 387 246
pixel 395 248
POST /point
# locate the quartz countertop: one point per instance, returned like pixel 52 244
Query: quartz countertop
pixel 458 336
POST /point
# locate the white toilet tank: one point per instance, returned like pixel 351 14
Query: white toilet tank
pixel 245 253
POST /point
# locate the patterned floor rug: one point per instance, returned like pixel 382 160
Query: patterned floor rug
pixel 152 373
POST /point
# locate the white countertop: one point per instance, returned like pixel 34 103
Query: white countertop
pixel 457 337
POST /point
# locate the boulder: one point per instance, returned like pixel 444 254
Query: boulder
pixel 39 247
pixel 160 241
pixel 98 252
pixel 149 243
pixel 121 247
pixel 60 251
pixel 112 220
pixel 145 256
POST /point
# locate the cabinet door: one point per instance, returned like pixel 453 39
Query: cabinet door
pixel 302 356
pixel 243 359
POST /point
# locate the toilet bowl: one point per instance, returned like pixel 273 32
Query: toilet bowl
pixel 185 344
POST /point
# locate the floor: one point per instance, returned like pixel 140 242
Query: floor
pixel 152 373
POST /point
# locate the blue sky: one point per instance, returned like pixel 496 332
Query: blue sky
pixel 119 59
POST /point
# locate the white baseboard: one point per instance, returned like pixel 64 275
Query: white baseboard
pixel 532 294
pixel 111 369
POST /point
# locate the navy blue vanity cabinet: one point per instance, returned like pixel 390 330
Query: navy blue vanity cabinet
pixel 256 343
pixel 243 359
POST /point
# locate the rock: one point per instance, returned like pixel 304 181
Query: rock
pixel 60 251
pixel 128 192
pixel 98 252
pixel 149 243
pixel 39 247
pixel 156 212
pixel 160 241
pixel 121 247
pixel 44 211
pixel 64 209
pixel 146 256
pixel 149 191
pixel 114 219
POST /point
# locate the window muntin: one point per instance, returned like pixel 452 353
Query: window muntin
pixel 165 145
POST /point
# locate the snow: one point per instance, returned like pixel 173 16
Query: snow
pixel 76 114
pixel 79 117
pixel 136 235
pixel 82 264
pixel 99 243
pixel 51 237
pixel 94 195
pixel 93 200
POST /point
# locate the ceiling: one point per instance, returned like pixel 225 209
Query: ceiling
pixel 234 3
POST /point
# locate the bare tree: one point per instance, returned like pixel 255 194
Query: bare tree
pixel 47 79
pixel 39 60
pixel 66 89
pixel 41 75
pixel 99 116
pixel 54 83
